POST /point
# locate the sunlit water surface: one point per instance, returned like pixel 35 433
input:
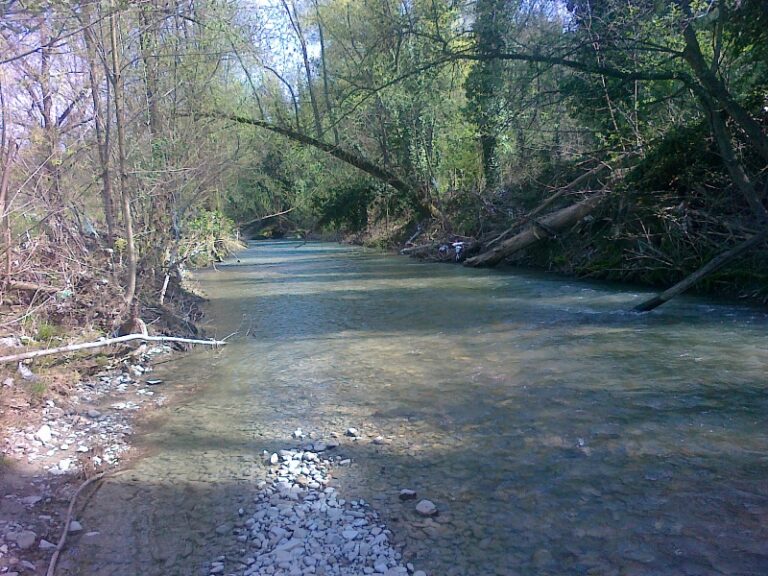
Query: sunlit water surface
pixel 557 432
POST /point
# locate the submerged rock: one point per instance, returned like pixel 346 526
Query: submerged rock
pixel 407 494
pixel 426 508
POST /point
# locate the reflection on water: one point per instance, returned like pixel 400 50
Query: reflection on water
pixel 557 433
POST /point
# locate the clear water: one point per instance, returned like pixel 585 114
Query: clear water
pixel 556 432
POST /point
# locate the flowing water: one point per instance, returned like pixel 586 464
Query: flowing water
pixel 557 433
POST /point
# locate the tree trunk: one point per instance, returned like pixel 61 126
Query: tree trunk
pixel 100 127
pixel 716 89
pixel 554 222
pixel 293 16
pixel 117 84
pixel 712 266
pixel 735 169
pixel 326 90
pixel 484 86
pixel 8 155
pixel 336 151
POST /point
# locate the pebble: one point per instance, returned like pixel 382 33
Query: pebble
pixel 26 373
pixel 353 432
pixel 426 508
pixel 44 434
pixel 407 494
pixel 31 500
pixel 25 539
pixel 75 526
pixel 45 545
pixel 298 527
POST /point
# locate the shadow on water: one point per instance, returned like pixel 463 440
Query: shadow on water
pixel 556 434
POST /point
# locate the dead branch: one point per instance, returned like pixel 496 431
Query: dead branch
pixel 106 342
pixel 262 218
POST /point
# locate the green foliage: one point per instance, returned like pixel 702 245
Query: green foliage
pixel 46 332
pixel 210 236
pixel 38 389
pixel 345 207
pixel 682 162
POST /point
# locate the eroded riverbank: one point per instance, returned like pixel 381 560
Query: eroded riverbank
pixel 556 433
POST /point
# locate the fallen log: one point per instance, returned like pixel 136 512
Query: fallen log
pixel 32 287
pixel 570 187
pixel 537 230
pixel 105 342
pixel 710 267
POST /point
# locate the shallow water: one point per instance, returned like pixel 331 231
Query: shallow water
pixel 556 432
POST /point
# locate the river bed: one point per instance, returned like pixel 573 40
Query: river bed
pixel 556 432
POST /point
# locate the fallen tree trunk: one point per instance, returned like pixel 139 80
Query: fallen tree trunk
pixel 347 156
pixel 710 267
pixel 570 187
pixel 32 287
pixel 106 342
pixel 538 230
pixel 338 152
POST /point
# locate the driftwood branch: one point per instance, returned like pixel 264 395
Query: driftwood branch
pixel 710 267
pixel 106 342
pixel 63 538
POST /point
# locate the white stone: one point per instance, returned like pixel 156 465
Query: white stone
pixel 44 434
pixel 354 432
pixel 75 526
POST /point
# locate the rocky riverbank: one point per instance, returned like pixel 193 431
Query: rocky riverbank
pixel 49 449
pixel 298 524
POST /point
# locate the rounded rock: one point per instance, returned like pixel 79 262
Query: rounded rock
pixel 426 508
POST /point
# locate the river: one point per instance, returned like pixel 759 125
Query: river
pixel 556 432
